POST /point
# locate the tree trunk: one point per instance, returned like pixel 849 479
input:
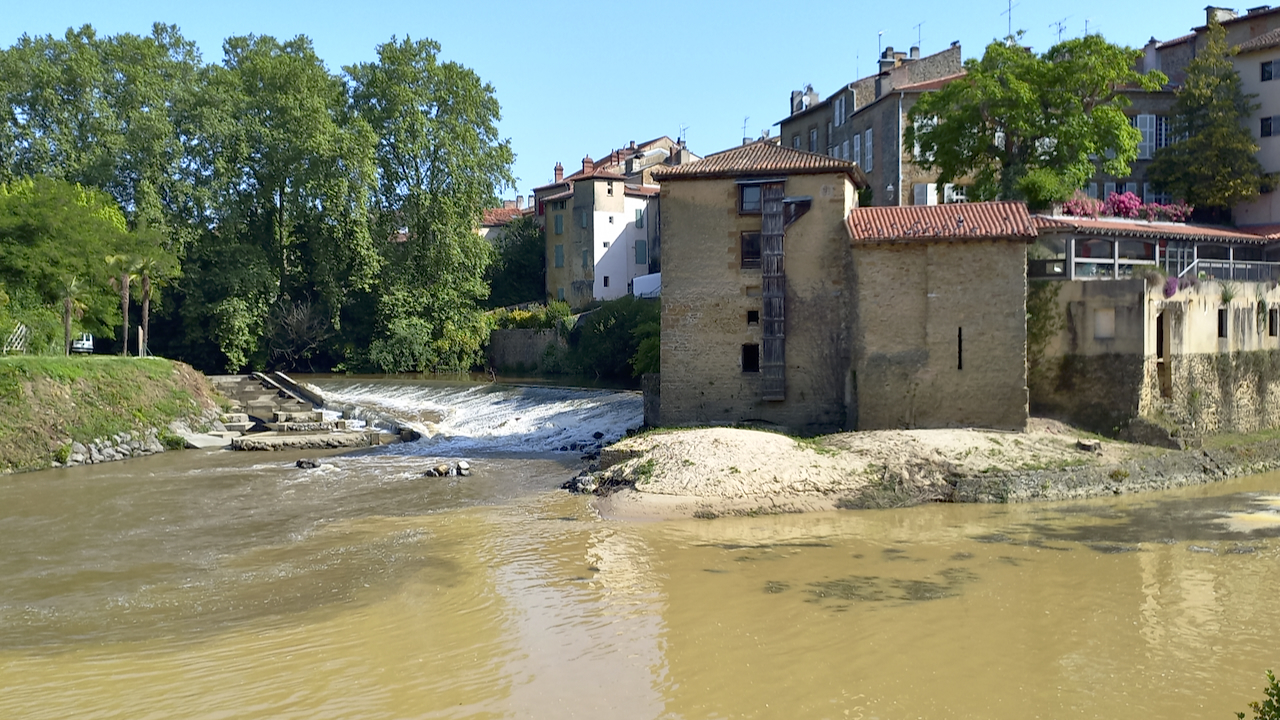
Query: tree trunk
pixel 146 314
pixel 124 313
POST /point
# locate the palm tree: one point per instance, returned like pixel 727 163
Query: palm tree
pixel 124 270
pixel 72 287
pixel 154 269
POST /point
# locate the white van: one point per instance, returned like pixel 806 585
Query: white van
pixel 82 344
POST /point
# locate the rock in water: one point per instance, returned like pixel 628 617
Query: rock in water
pixel 597 434
pixel 307 463
pixel 463 468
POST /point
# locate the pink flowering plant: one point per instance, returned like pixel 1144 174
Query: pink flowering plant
pixel 1125 205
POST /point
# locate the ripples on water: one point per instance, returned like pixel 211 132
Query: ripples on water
pixel 220 585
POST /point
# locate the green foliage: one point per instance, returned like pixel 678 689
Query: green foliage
pixel 1025 126
pixel 1044 319
pixel 1269 708
pixel 607 339
pixel 534 317
pixel 1214 166
pixel 518 273
pixel 648 357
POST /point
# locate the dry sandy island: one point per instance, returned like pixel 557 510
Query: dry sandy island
pixel 716 471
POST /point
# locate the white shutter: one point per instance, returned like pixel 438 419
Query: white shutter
pixel 867 151
pixel 925 194
pixel 857 149
pixel 1146 124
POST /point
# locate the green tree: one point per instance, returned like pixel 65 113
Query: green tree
pixel 72 307
pixel 1029 127
pixel 439 162
pixel 1269 708
pixel 518 273
pixel 1214 165
pixel 606 341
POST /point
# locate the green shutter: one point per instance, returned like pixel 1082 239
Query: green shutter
pixel 559 224
pixel 642 252
pixel 639 218
pixel 586 259
pixel 559 255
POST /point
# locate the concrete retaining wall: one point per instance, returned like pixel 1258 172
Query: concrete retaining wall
pixel 521 350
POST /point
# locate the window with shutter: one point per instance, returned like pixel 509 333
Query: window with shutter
pixel 1146 124
pixel 639 217
pixel 559 224
pixel 642 252
pixel 857 149
pixel 813 140
pixel 866 152
pixel 560 257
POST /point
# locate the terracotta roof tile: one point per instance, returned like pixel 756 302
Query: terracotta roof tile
pixel 500 216
pixel 936 84
pixel 1124 227
pixel 1264 41
pixel 643 190
pixel 762 157
pixel 929 223
pixel 559 196
pixel 1176 41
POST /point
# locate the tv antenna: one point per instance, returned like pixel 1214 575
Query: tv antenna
pixel 918 33
pixel 1009 12
pixel 684 131
pixel 1060 24
pixel 744 126
pixel 880 44
pixel 1086 26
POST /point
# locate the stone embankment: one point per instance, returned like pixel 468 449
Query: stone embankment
pixel 117 447
pixel 716 471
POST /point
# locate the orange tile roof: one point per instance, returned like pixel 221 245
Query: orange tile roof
pixel 1176 41
pixel 935 84
pixel 643 190
pixel 1265 41
pixel 1124 227
pixel 931 223
pixel 500 216
pixel 558 196
pixel 760 158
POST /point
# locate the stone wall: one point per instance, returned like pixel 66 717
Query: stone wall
pixel 707 296
pixel 941 335
pixel 521 350
pixel 651 387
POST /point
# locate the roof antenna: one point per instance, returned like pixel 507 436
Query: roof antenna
pixel 918 32
pixel 1060 24
pixel 880 44
pixel 684 131
pixel 744 126
pixel 1009 12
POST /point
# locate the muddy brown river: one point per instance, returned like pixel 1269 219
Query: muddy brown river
pixel 233 585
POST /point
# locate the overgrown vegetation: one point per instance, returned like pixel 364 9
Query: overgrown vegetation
pixel 616 341
pixel 1269 707
pixel 1044 321
pixel 532 317
pixel 518 273
pixel 49 402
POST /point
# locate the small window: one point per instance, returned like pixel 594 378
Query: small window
pixel 866 151
pixel 813 140
pixel 586 217
pixel 753 317
pixel 750 250
pixel 1266 71
pixel 750 358
pixel 1266 127
pixel 642 252
pixel 586 259
pixel 639 218
pixel 795 141
pixel 1104 323
pixel 559 255
pixel 605 243
pixel 1222 323
pixel 560 294
pixel 1273 322
pixel 610 219
pixel 749 199
pixel 609 192
pixel 559 224
pixel 606 281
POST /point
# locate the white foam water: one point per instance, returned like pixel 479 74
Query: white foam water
pixel 475 419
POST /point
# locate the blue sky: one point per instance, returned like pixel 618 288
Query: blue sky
pixel 577 78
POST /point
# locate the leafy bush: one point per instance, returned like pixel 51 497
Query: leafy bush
pixel 606 340
pixel 532 317
pixel 1269 708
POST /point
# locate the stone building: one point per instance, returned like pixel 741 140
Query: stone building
pixel 785 303
pixel 755 304
pixel 939 322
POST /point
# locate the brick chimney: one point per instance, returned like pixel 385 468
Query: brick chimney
pixel 559 172
pixel 588 166
pixel 519 202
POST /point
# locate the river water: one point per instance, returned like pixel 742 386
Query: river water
pixel 233 585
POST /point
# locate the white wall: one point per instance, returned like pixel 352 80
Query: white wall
pixel 616 260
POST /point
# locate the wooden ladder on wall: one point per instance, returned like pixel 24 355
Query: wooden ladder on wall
pixel 773 361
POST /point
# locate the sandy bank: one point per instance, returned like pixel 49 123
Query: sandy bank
pixel 708 472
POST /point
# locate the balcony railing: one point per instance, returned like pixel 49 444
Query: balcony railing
pixel 1243 270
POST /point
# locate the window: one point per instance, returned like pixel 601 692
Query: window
pixel 1273 322
pixel 585 217
pixel 1149 195
pixel 839 110
pixel 1092 190
pixel 541 208
pixel 1162 132
pixel 857 149
pixel 750 249
pixel 610 219
pixel 1146 124
pixel 844 150
pixel 1108 189
pixel 832 150
pixel 866 152
pixel 559 224
pixel 560 294
pixel 828 131
pixel 1266 71
pixel 1104 323
pixel 749 200
pixel 1222 323
pixel 1266 127
pixel 753 317
pixel 813 140
pixel 606 244
pixel 586 259
pixel 639 217
pixel 924 125
pixel 750 358
pixel 559 255
pixel 642 252
pixel 795 141
pixel 606 281
pixel 609 189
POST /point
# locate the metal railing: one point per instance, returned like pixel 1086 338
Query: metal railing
pixel 1244 270
pixel 17 341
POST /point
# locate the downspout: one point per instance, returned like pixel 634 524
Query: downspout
pixel 901 190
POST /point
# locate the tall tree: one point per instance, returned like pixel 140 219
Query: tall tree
pixel 518 274
pixel 1214 165
pixel 440 161
pixel 1030 127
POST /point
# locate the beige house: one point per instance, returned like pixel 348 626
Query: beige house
pixel 785 303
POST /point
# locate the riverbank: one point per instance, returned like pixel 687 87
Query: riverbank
pixel 53 408
pixel 708 472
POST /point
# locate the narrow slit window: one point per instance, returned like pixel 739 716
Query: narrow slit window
pixel 750 358
pixel 606 281
pixel 1222 322
pixel 1273 322
pixel 959 348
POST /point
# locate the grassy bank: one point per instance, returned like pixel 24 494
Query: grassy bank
pixel 48 402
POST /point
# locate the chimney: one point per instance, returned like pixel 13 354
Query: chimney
pixel 1222 15
pixel 633 146
pixel 1260 8
pixel 588 166
pixel 1151 55
pixel 519 202
pixel 559 172
pixel 915 52
pixel 508 204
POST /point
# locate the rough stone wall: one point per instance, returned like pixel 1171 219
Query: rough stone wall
pixel 651 387
pixel 707 295
pixel 1235 392
pixel 521 350
pixel 941 335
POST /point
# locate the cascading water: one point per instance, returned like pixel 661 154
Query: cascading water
pixel 456 419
